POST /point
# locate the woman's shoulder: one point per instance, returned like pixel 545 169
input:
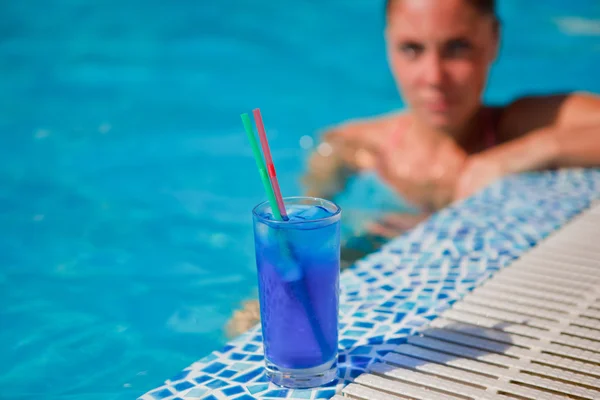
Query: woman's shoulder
pixel 369 130
pixel 529 113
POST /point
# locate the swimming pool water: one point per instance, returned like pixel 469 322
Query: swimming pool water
pixel 126 182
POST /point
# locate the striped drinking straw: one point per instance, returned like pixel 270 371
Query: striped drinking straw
pixel 269 161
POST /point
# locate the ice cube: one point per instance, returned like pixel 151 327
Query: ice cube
pixel 266 213
pixel 307 212
pixel 294 209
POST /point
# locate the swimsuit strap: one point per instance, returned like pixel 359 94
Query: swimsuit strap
pixel 490 124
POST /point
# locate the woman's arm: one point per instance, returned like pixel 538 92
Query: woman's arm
pixel 538 133
pixel 552 131
pixel 550 147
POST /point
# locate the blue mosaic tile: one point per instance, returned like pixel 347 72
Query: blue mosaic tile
pixel 347 343
pixel 355 373
pixel 302 394
pixel 256 358
pixel 161 394
pixel 202 379
pixel 245 397
pixel 354 333
pixel 182 375
pixel 262 378
pixel 210 357
pixel 376 340
pixel 227 373
pixel 278 393
pixel 217 383
pixel 325 394
pixel 227 348
pixel 214 368
pixel 257 388
pixel 390 294
pixel 360 360
pixel 237 356
pixel 230 391
pixel 249 376
pixel 241 366
pixel 250 348
pixel 197 392
pixel 399 317
pixel 180 387
pixel 361 350
pixel 382 329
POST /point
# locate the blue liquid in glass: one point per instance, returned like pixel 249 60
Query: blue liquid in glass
pixel 298 270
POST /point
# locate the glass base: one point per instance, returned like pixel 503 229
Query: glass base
pixel 302 378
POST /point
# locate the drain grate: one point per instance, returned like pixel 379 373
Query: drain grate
pixel 530 332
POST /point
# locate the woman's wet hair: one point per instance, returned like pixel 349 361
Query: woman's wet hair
pixel 485 7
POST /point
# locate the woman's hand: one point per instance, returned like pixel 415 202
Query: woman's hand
pixel 479 171
pixel 344 150
pixel 423 167
pixel 535 151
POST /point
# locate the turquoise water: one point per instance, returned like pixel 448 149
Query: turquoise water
pixel 126 182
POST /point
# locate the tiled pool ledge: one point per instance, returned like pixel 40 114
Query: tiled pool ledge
pixel 391 293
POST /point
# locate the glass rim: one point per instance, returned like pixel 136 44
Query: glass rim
pixel 335 214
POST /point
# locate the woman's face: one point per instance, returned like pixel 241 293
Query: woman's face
pixel 440 52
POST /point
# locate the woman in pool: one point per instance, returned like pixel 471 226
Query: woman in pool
pixel 448 145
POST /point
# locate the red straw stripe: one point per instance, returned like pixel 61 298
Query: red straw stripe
pixel 269 161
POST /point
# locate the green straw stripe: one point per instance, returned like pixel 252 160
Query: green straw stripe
pixel 262 170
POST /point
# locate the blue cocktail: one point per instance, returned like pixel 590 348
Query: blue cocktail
pixel 298 275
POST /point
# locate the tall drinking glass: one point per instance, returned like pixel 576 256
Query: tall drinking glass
pixel 298 279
